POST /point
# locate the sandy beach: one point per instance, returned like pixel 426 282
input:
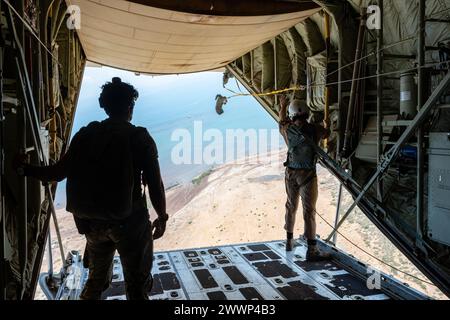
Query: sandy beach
pixel 244 202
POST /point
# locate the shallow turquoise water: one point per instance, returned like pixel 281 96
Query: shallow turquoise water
pixel 168 103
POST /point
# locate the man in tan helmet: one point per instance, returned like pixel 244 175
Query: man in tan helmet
pixel 301 177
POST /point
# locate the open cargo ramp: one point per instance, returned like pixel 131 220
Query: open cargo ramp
pixel 259 271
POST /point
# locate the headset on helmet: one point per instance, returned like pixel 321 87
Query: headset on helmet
pixel 298 108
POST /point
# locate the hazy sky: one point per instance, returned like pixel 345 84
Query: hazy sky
pixel 167 103
pixel 172 98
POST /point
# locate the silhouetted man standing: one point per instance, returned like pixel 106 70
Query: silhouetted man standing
pixel 106 166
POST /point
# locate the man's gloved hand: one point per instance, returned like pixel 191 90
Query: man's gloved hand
pixel 159 227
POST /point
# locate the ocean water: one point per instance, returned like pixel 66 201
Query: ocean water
pixel 170 103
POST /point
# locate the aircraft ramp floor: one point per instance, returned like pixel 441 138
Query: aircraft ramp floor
pixel 259 271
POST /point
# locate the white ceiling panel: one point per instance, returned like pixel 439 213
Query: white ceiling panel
pixel 146 39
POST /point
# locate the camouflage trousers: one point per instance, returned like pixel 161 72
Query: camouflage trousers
pixel 301 183
pixel 134 242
